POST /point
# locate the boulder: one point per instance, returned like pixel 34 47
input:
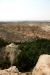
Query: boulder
pixel 43 65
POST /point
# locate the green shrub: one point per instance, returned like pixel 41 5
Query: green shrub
pixel 4 61
pixel 31 52
pixel 3 43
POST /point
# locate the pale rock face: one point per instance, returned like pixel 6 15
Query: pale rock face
pixel 12 52
pixel 43 66
pixel 12 69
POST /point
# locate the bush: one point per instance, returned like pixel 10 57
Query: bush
pixel 3 43
pixel 4 61
pixel 31 52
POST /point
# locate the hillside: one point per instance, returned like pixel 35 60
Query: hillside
pixel 24 31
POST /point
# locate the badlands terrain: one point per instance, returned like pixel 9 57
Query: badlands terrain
pixel 21 32
pixel 24 31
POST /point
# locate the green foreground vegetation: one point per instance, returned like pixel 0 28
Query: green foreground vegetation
pixel 30 52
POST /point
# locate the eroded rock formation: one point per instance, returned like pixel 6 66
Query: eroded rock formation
pixel 43 66
pixel 8 55
pixel 24 31
pixel 12 52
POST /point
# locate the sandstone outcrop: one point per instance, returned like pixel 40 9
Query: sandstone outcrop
pixel 13 71
pixel 43 66
pixel 8 55
pixel 12 52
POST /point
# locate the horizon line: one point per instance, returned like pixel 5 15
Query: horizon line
pixel 27 21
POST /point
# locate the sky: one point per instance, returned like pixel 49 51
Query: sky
pixel 24 10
